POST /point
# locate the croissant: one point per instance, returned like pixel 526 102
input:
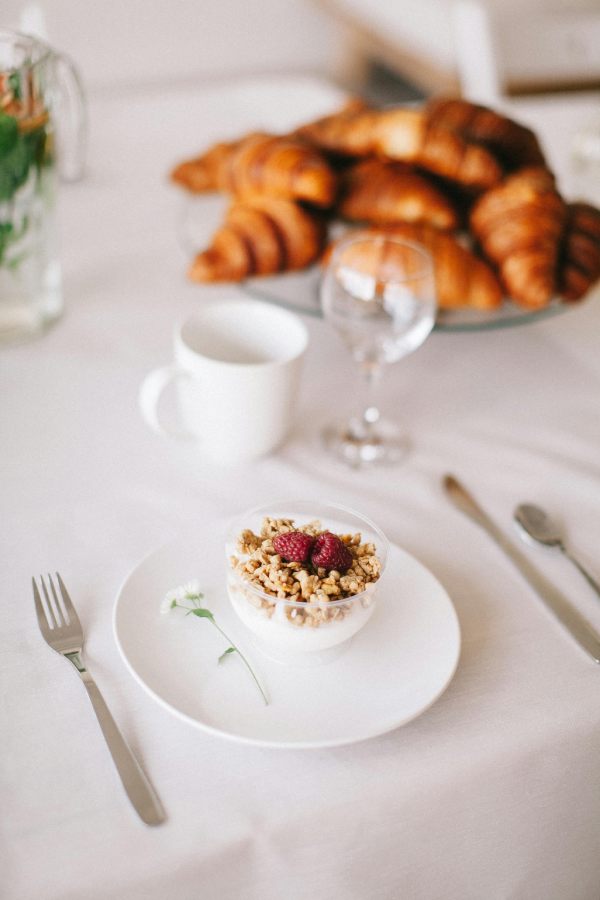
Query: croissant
pixel 383 192
pixel 513 144
pixel 580 261
pixel 345 133
pixel 519 225
pixel 260 236
pixel 204 173
pixel 405 135
pixel 262 164
pixel 461 278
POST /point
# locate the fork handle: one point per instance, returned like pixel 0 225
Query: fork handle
pixel 137 787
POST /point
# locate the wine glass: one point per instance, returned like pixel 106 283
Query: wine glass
pixel 378 292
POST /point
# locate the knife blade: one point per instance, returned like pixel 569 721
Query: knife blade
pixel 572 620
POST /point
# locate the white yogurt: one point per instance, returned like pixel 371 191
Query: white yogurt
pixel 277 630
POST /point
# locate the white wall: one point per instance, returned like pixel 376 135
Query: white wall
pixel 125 41
pixel 531 40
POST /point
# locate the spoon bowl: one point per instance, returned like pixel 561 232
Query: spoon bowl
pixel 537 525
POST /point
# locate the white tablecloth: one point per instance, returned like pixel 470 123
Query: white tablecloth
pixel 494 792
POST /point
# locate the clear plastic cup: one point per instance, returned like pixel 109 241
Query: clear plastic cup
pixel 299 632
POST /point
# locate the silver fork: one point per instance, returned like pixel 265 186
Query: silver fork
pixel 61 629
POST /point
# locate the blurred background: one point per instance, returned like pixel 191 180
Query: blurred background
pixel 485 49
pixel 537 59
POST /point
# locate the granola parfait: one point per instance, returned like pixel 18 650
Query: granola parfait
pixel 304 577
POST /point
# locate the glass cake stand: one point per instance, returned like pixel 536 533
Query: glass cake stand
pixel 299 291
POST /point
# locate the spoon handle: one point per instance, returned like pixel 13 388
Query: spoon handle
pixel 591 581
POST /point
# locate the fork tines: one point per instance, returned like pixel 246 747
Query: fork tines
pixel 54 613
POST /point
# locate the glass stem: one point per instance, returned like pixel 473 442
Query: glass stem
pixel 371 373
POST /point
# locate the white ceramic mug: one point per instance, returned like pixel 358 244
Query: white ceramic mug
pixel 236 367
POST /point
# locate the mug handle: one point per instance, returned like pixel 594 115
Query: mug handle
pixel 151 390
pixel 71 121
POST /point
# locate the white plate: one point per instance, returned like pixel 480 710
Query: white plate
pixel 392 671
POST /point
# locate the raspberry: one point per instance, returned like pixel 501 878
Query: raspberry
pixel 329 552
pixel 293 546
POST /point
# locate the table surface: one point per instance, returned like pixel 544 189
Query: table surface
pixel 493 792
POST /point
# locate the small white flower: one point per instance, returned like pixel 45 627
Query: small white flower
pixel 167 604
pixel 189 591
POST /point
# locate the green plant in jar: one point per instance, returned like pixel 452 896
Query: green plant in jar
pixel 41 98
pixel 25 154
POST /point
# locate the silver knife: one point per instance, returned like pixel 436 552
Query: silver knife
pixel 577 626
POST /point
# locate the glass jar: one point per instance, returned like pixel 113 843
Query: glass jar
pixel 41 106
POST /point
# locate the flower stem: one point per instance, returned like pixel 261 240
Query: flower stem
pixel 206 614
pixel 244 660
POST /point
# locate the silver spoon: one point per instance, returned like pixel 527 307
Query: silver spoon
pixel 536 525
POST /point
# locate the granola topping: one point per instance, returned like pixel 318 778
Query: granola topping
pixel 315 588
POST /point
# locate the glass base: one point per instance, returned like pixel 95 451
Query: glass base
pixel 29 308
pixel 357 446
pixel 18 325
